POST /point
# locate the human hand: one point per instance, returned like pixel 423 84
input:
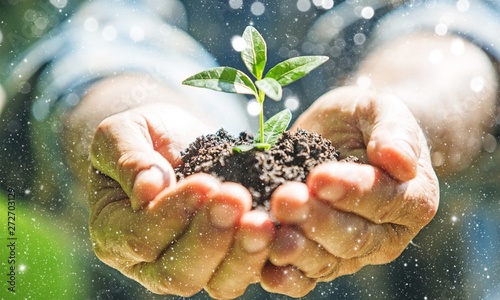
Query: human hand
pixel 349 215
pixel 172 237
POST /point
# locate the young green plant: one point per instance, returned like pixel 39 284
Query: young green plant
pixel 231 80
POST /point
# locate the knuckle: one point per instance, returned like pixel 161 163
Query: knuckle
pixel 366 241
pixel 138 249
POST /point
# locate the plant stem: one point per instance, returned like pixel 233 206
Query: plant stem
pixel 261 115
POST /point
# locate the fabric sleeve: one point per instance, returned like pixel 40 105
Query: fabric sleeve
pixel 102 39
pixel 477 21
pixel 106 38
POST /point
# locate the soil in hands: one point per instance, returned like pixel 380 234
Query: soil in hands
pixel 293 156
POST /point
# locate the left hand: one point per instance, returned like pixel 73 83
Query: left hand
pixel 349 215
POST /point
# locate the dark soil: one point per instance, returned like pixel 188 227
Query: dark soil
pixel 293 156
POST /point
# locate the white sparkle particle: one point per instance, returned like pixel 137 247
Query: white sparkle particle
pixel 463 5
pixel 477 84
pixel 253 107
pixel 367 12
pixel 136 33
pixel 457 47
pixel 436 56
pixel 303 5
pixel 109 33
pixel 292 103
pixel 59 3
pixel 441 29
pixel 235 4
pixel 327 4
pixel 364 81
pixel 238 43
pixel 257 8
pixel 91 24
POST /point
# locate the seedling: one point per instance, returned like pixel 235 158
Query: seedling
pixel 231 80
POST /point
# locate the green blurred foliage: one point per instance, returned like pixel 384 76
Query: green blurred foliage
pixel 23 22
pixel 46 264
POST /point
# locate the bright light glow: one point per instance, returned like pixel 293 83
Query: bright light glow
pixel 236 4
pixel 364 81
pixel 436 56
pixel 477 84
pixel 1 37
pixel 41 23
pixel 253 107
pixel 91 24
pixel 463 5
pixel 59 3
pixel 109 33
pixel 457 47
pixel 359 38
pixel 367 12
pixel 303 5
pixel 327 4
pixel 136 33
pixel 490 143
pixel 238 43
pixel 257 8
pixel 292 103
pixel 441 29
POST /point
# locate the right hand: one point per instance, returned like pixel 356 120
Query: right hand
pixel 172 237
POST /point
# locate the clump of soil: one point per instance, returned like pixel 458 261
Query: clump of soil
pixel 293 156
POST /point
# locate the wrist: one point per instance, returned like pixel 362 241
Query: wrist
pixel 450 86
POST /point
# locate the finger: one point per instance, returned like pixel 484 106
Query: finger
pixel 291 247
pixel 122 237
pixel 371 193
pixel 286 280
pixel 289 202
pixel 346 235
pixel 188 264
pixel 377 128
pixel 123 149
pixel 344 267
pixel 395 139
pixel 243 264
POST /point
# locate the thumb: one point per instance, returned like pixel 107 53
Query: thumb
pixel 396 140
pixel 123 150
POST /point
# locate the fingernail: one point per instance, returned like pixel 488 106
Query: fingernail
pixel 331 192
pixel 224 215
pixel 406 150
pixel 147 185
pixel 256 239
pixel 253 244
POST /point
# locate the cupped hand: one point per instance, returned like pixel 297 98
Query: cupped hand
pixel 349 215
pixel 172 237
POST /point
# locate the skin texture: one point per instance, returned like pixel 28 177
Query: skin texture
pixel 181 237
pixel 348 215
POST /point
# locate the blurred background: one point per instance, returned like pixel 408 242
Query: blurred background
pixel 455 257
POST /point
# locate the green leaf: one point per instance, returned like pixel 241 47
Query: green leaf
pixel 271 88
pixel 295 68
pixel 274 127
pixel 223 79
pixel 254 55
